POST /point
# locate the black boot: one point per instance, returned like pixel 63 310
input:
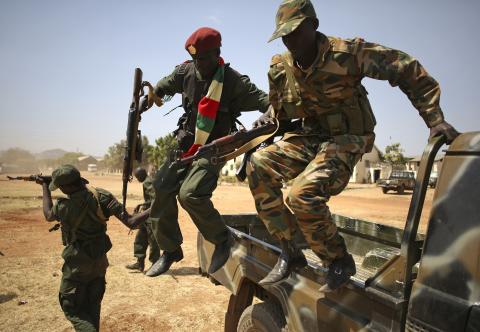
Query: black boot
pixel 138 265
pixel 291 258
pixel 220 254
pixel 339 273
pixel 164 262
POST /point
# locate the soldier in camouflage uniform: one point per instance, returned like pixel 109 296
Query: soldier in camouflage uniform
pixel 319 80
pixel 194 184
pixel 82 216
pixel 144 236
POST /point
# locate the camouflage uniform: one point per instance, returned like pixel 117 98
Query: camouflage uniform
pixel 83 219
pixel 337 129
pixel 144 236
pixel 195 183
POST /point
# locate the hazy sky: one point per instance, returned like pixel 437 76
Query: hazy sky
pixel 67 66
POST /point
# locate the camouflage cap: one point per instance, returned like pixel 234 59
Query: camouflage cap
pixel 289 16
pixel 65 174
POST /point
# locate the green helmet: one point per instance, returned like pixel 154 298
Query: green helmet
pixel 289 16
pixel 65 174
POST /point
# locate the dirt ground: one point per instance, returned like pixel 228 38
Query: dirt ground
pixel 180 300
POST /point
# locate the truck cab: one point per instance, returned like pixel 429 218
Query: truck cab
pixel 405 281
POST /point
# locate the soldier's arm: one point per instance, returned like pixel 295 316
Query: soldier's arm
pixel 171 84
pixel 402 70
pixel 112 207
pixel 248 97
pixel 47 202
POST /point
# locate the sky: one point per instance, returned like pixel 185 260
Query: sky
pixel 67 66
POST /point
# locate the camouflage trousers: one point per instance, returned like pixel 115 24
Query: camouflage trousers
pixel 318 171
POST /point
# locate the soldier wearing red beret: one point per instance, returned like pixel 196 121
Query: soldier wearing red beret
pixel 213 96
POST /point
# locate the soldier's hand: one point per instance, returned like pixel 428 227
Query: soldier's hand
pixel 41 180
pixel 445 129
pixel 263 119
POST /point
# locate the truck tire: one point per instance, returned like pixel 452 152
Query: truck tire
pixel 401 189
pixel 384 190
pixel 262 317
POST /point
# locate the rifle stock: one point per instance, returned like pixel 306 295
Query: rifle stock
pixel 133 150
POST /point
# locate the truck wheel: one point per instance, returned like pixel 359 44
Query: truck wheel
pixel 401 190
pixel 384 190
pixel 262 317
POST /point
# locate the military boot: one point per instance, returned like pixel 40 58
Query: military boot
pixel 339 273
pixel 290 259
pixel 220 254
pixel 164 262
pixel 138 265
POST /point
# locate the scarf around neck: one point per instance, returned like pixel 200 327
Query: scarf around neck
pixel 207 110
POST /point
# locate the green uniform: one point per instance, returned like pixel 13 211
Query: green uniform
pixel 337 129
pixel 83 220
pixel 194 184
pixel 144 236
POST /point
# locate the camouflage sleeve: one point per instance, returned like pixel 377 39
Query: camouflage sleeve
pixel 56 210
pixel 274 82
pixel 247 97
pixel 171 84
pixel 404 71
pixel 109 204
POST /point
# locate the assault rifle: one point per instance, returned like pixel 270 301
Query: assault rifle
pixel 34 178
pixel 228 147
pixel 133 148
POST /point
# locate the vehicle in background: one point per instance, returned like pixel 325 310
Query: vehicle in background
pixel 92 167
pixel 398 181
pixel 432 181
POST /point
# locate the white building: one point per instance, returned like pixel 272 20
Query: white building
pixel 368 169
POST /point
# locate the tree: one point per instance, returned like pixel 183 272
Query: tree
pixel 17 156
pixel 70 158
pixel 161 150
pixel 114 156
pixel 394 155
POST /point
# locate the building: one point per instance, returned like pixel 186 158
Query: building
pixel 414 163
pixel 368 169
pixel 84 161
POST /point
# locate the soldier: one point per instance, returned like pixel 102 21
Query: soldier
pixel 144 236
pixel 82 216
pixel 319 80
pixel 213 96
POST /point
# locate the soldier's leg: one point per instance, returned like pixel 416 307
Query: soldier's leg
pixel 141 242
pixel 195 197
pixel 266 171
pixel 73 300
pixel 164 214
pixel 95 292
pixel 326 175
pixel 154 250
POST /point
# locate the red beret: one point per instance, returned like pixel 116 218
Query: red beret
pixel 202 40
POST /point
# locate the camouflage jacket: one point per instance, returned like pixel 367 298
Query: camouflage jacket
pixel 329 95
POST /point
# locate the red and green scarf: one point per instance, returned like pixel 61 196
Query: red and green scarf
pixel 207 110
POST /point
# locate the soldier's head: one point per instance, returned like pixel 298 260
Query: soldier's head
pixel 204 48
pixel 140 174
pixel 297 23
pixel 68 179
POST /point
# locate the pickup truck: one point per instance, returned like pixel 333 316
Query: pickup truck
pixel 405 281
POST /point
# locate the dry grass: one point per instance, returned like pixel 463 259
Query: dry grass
pixel 180 300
